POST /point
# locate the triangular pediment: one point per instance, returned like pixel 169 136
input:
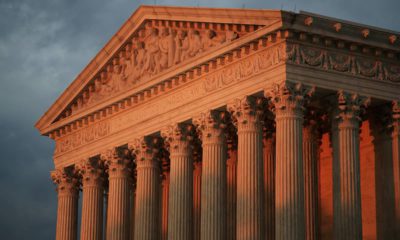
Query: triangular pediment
pixel 152 41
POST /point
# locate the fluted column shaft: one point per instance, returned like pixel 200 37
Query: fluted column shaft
pixel 213 178
pixel 180 206
pixel 396 163
pixel 92 203
pixel 133 200
pixel 269 186
pixel 310 160
pixel 164 207
pixel 289 99
pixel 197 200
pixel 213 192
pixel 180 218
pixel 231 193
pixel 147 202
pixel 289 175
pixel 348 214
pixel 250 190
pixel 67 210
pixel 347 192
pixel 105 199
pixel 118 204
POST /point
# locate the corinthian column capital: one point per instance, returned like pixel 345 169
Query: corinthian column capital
pixel 210 125
pixel 146 150
pixel 177 137
pixel 247 112
pixel 289 97
pixel 67 181
pixel 118 161
pixel 92 172
pixel 350 106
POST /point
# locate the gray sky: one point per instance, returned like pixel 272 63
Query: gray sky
pixel 44 44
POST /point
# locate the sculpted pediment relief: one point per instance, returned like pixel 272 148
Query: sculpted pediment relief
pixel 158 46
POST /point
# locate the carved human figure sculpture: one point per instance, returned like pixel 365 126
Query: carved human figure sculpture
pixel 167 48
pixel 195 44
pixel 139 62
pixel 152 50
pixel 209 40
pixel 182 46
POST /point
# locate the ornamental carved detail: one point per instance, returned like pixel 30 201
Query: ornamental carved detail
pixel 211 126
pixel 156 48
pixel 67 181
pixel 342 62
pixel 247 112
pixel 82 137
pixel 245 68
pixel 118 162
pixel 147 152
pixel 350 107
pixel 92 172
pixel 289 98
pixel 178 137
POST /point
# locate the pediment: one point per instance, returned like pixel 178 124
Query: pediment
pixel 152 41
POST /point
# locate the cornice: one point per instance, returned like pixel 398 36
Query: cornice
pixel 346 31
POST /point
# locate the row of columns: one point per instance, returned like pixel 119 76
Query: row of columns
pixel 246 187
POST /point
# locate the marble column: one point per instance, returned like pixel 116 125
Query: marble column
pixel 165 199
pixel 288 99
pixel 147 202
pixel 105 199
pixel 347 193
pixel 67 209
pixel 164 207
pixel 197 192
pixel 213 180
pixel 133 200
pixel 269 183
pixel 231 170
pixel 310 166
pixel 247 115
pixel 396 162
pixel 132 214
pixel 180 218
pixel 119 189
pixel 92 172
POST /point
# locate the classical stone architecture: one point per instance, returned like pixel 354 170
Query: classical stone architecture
pixel 197 123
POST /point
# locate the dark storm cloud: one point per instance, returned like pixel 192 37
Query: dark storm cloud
pixel 44 45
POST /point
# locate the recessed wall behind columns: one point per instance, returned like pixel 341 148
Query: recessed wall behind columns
pixel 376 188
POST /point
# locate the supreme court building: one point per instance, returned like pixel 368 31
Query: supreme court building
pixel 214 124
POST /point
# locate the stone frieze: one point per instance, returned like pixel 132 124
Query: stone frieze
pixel 343 62
pixel 82 137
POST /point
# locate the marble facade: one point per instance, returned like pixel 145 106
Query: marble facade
pixel 198 123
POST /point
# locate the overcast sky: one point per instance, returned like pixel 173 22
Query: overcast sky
pixel 44 44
